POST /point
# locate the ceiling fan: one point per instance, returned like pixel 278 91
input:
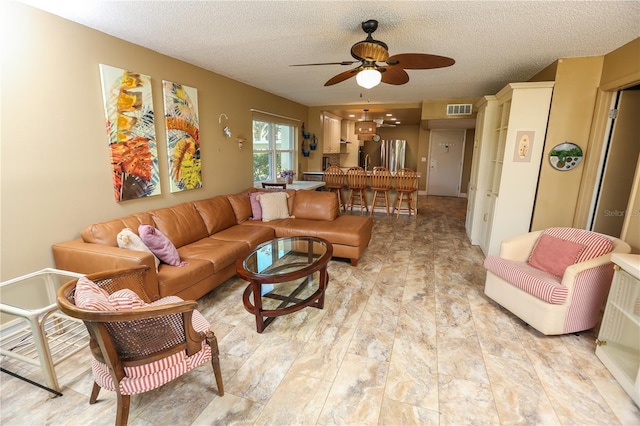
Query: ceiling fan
pixel 392 70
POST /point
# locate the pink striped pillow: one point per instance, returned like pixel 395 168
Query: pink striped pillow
pixel 595 244
pixel 554 255
pixel 125 299
pixel 89 296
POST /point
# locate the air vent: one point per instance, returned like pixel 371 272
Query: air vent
pixel 459 109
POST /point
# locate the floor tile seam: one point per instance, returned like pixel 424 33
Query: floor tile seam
pixel 263 406
pixel 484 355
pixel 554 404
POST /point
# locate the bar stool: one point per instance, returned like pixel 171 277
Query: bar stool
pixel 357 183
pixel 334 179
pixel 380 183
pixel 406 183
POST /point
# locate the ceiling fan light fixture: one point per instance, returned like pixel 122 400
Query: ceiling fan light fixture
pixel 369 78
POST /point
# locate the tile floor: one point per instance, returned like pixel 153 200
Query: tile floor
pixel 406 337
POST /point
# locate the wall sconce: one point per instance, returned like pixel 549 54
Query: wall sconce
pixel 225 130
pixel 241 142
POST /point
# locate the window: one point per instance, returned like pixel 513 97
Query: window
pixel 274 148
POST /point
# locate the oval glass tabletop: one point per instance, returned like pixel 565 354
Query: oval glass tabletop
pixel 284 256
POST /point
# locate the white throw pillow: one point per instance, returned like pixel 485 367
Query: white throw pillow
pixel 274 206
pixel 130 240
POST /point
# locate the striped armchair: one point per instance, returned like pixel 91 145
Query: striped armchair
pixel 556 280
pixel 137 344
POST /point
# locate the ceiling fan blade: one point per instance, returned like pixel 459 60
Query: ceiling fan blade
pixel 394 75
pixel 420 61
pixel 343 76
pixel 326 63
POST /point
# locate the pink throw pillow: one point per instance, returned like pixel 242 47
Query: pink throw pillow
pixel 89 296
pixel 554 255
pixel 256 210
pixel 125 299
pixel 160 245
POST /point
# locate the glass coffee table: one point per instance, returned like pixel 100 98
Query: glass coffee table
pixel 285 275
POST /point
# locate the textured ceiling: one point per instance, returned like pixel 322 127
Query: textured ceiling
pixel 254 42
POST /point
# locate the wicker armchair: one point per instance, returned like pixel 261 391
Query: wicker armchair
pixel 137 350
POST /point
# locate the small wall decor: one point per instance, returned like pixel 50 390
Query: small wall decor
pixel 305 134
pixel 226 130
pixel 524 146
pixel 314 142
pixel 183 130
pixel 565 156
pixel 128 107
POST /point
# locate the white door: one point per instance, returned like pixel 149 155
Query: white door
pixel 445 167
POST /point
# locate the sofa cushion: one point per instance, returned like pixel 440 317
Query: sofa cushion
pixel 247 232
pixel 274 205
pixel 160 245
pixel 216 212
pixel 182 224
pixel 173 280
pixel 346 230
pixel 241 206
pixel 316 205
pixel 220 253
pixel 595 244
pixel 106 233
pixel 554 255
pixel 538 283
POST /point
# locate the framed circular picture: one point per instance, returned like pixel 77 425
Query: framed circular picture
pixel 565 156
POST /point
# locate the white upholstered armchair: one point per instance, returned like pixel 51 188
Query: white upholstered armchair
pixel 555 280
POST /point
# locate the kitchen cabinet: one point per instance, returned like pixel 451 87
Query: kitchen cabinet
pixel 618 343
pixel 331 127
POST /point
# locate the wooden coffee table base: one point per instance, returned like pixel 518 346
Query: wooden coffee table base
pixel 296 267
pixel 289 303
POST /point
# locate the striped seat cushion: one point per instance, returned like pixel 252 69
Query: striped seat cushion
pixel 146 377
pixel 538 283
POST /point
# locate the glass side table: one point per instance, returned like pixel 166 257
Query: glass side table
pixel 32 328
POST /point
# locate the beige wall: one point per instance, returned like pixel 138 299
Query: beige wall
pixel 55 172
pixel 572 105
pixel 437 110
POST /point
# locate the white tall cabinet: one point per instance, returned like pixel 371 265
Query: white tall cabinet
pixel 505 177
pixel 486 122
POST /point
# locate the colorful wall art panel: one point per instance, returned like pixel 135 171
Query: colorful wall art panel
pixel 183 146
pixel 128 109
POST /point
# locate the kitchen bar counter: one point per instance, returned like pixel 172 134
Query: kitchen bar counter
pixel 344 169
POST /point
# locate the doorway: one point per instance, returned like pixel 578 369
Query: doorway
pixel 621 159
pixel 446 148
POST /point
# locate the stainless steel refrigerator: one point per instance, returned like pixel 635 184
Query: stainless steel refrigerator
pixel 392 154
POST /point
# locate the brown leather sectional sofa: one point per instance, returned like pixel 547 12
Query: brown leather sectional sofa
pixel 210 235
